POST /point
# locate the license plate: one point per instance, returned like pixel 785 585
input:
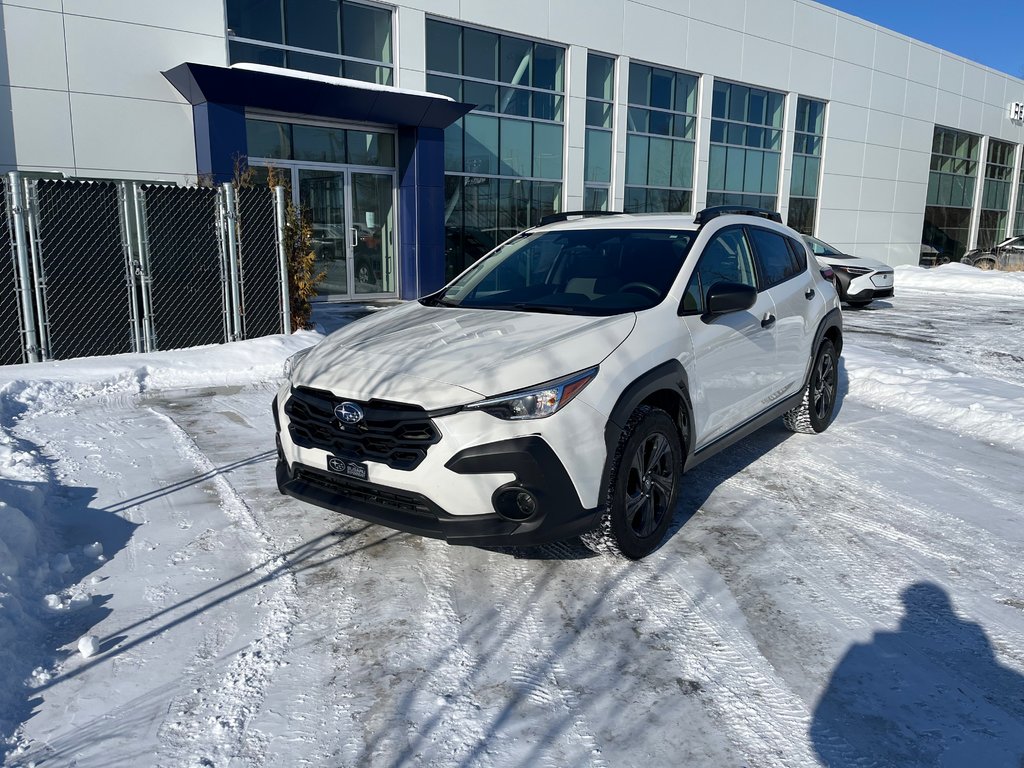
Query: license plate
pixel 347 468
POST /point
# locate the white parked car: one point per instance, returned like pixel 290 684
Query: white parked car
pixel 858 281
pixel 561 385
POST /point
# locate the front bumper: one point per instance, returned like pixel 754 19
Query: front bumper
pixel 458 490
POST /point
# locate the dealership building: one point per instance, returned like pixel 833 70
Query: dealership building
pixel 419 134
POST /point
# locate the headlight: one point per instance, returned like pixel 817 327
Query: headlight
pixel 854 271
pixel 537 402
pixel 294 360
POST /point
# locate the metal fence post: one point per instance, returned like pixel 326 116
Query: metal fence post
pixel 148 334
pixel 132 268
pixel 279 210
pixel 28 317
pixel 231 214
pixel 38 275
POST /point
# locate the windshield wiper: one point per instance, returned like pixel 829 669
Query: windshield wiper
pixel 560 309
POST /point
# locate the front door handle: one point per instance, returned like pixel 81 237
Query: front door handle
pixel 768 320
pixel 810 294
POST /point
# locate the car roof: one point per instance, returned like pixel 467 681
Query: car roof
pixel 678 221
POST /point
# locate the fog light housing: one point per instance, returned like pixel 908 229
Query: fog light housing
pixel 516 504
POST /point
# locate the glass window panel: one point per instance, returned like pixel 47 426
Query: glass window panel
pixel 484 96
pixel 734 169
pixel 480 206
pixel 369 148
pixel 516 56
pixel 720 100
pixel 256 19
pixel 817 119
pixel 636 160
pixel 321 65
pixel 255 54
pixel 737 134
pixel 773 140
pixel 595 199
pixel 547 106
pixel 548 64
pixel 802 114
pixel 453 147
pixel 515 101
pixel 513 208
pixel 481 144
pixel 638 119
pixel 516 148
pixel 600 77
pixel 661 123
pixel 479 54
pixel 370 73
pixel 718 131
pixel 446 86
pixel 547 199
pixel 686 94
pixel 755 137
pixel 599 114
pixel 443 47
pixel 366 32
pixel 753 168
pixel 598 156
pixel 756 107
pixel 456 258
pixel 662 87
pixel 321 145
pixel 776 105
pixel 738 95
pixel 796 186
pixel 770 176
pixel 801 215
pixel 639 84
pixel 657 200
pixel 659 163
pixel 680 201
pixel 684 127
pixel 312 24
pixel 635 200
pixel 682 164
pixel 811 173
pixel 547 151
pixel 268 139
pixel 716 168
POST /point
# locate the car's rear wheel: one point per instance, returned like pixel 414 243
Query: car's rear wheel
pixel 986 264
pixel 642 488
pixel 815 411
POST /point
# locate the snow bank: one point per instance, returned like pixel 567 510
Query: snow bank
pixel 985 409
pixel 959 278
pixel 34 573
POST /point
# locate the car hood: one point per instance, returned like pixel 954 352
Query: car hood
pixel 439 357
pixel 853 261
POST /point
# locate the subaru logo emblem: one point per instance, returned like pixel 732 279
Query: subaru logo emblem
pixel 349 413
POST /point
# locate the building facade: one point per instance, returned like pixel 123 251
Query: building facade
pixel 419 134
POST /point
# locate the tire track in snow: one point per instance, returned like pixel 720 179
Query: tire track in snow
pixel 210 724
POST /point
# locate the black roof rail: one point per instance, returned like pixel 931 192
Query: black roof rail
pixel 554 218
pixel 703 217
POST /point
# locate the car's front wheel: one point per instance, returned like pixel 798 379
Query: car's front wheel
pixel 642 489
pixel 815 411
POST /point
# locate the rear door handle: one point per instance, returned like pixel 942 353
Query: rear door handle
pixel 768 320
pixel 810 294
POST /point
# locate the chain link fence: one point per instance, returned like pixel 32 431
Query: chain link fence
pixel 112 267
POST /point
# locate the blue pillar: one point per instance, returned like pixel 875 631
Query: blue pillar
pixel 220 139
pixel 421 210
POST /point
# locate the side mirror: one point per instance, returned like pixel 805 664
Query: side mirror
pixel 724 298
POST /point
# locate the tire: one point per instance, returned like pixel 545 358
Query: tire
pixel 641 495
pixel 815 412
pixel 985 264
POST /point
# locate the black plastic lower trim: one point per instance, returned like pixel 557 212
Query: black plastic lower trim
pixel 560 514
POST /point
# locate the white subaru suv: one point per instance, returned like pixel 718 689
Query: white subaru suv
pixel 563 383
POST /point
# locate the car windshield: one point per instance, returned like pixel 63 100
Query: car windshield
pixel 821 248
pixel 584 271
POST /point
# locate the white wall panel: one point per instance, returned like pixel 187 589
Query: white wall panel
pixel 117 136
pixel 892 53
pixel 724 13
pixel 841 192
pixel 771 19
pixel 951 74
pixel 847 121
pixel 880 162
pixel 706 44
pixel 884 129
pixel 202 16
pixel 947 109
pixel 838 227
pixel 654 36
pixel 974 82
pixel 810 74
pixel 970 116
pixel 44 5
pixel 855 41
pixel 910 197
pixel 844 157
pixel 888 92
pixel 528 17
pixel 410 47
pixel 596 24
pixel 920 101
pixel 873 227
pixel 814 28
pixel 35 49
pixel 851 83
pixel 917 135
pixel 42 129
pixel 924 64
pixel 915 166
pixel 765 63
pixel 150 50
pixel 877 195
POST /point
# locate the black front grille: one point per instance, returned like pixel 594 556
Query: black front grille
pixel 395 434
pixel 366 493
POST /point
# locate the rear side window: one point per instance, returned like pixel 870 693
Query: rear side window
pixel 799 253
pixel 774 257
pixel 725 259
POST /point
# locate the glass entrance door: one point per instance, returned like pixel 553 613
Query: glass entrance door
pixel 352 216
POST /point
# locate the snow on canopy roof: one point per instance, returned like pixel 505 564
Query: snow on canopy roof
pixel 330 80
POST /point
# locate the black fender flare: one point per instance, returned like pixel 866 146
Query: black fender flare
pixel 834 319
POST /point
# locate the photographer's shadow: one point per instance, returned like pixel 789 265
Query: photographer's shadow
pixel 930 693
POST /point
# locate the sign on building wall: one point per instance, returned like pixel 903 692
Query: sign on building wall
pixel 1017 111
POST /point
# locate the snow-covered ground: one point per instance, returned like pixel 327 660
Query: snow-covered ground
pixel 848 599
